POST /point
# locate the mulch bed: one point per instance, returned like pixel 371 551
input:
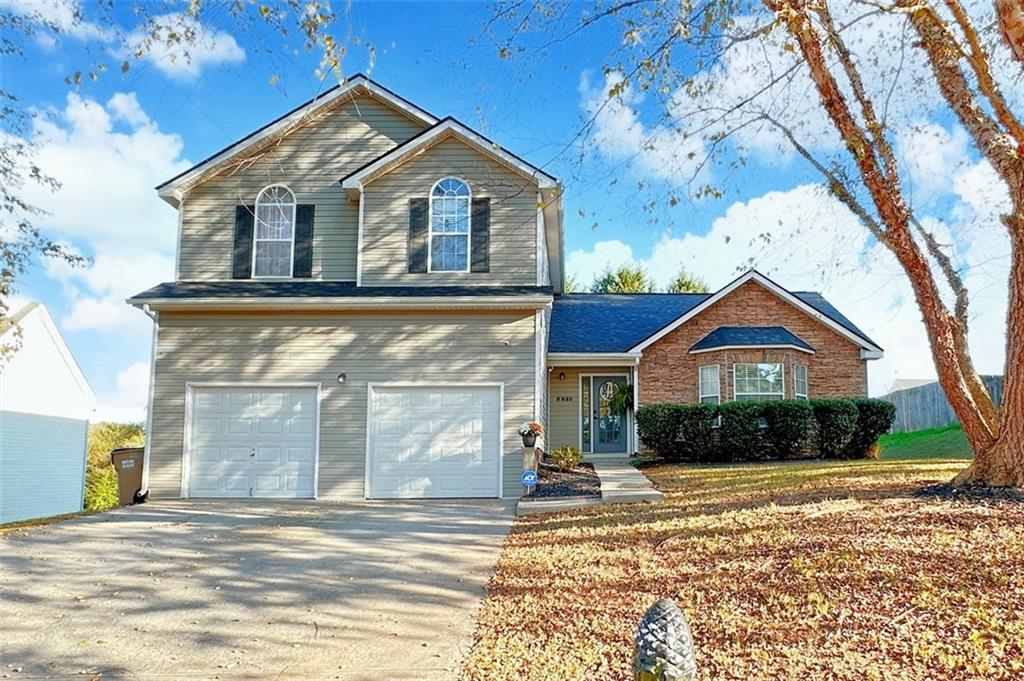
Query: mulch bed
pixel 581 481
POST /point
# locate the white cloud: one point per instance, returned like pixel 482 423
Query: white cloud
pixel 806 240
pixel 658 151
pixel 58 17
pixel 108 157
pixel 131 397
pixel 183 59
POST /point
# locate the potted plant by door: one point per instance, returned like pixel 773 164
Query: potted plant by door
pixel 529 431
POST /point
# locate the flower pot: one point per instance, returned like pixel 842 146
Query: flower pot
pixel 529 440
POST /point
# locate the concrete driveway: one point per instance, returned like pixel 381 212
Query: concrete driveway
pixel 229 590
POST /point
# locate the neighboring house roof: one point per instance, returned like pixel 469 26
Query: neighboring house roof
pixel 357 84
pixel 445 129
pixel 332 294
pixel 41 350
pixel 725 337
pixel 904 383
pixel 628 323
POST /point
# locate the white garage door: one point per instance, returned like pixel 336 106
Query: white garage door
pixel 432 442
pixel 252 442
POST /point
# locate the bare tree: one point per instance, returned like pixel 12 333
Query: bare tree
pixel 857 62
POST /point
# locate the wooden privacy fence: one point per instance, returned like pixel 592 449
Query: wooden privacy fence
pixel 926 405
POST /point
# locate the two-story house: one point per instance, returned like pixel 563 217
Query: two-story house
pixel 368 303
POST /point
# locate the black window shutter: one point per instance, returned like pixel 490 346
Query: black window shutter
pixel 241 265
pixel 480 248
pixel 302 264
pixel 418 235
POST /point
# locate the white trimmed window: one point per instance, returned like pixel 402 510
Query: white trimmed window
pixel 759 382
pixel 449 226
pixel 709 385
pixel 800 381
pixel 274 235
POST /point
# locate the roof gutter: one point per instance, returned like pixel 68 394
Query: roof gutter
pixel 351 303
pixel 593 358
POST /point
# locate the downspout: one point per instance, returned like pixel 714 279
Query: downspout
pixel 155 316
pixel 636 404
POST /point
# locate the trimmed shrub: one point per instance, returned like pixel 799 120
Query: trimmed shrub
pixel 658 427
pixel 739 436
pixel 567 457
pixel 836 422
pixel 100 488
pixel 788 423
pixel 696 440
pixel 874 419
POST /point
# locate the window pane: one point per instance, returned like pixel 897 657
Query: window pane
pixel 709 384
pixel 273 258
pixel 758 381
pixel 450 215
pixel 449 253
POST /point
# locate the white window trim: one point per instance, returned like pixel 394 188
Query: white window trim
pixel 430 227
pixel 782 394
pixel 256 231
pixel 807 382
pixel 718 393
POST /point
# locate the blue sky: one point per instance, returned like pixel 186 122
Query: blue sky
pixel 110 141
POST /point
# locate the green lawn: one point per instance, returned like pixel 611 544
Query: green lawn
pixel 947 442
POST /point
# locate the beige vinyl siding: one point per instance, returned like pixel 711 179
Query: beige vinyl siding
pixel 378 348
pixel 311 161
pixel 564 401
pixel 513 228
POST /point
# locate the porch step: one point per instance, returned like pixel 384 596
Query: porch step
pixel 631 496
pixel 623 484
pixel 527 505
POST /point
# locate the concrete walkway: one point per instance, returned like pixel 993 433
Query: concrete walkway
pixel 621 483
pixel 249 590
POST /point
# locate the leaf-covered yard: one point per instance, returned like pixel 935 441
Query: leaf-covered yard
pixel 785 570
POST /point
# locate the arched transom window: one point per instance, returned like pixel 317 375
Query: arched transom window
pixel 274 236
pixel 449 226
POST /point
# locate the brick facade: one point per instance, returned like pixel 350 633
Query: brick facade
pixel 668 372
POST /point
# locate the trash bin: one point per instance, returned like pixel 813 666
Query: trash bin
pixel 128 464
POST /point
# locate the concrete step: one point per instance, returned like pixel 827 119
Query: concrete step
pixel 631 496
pixel 527 505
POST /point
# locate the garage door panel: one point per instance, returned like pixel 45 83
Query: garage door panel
pixel 253 439
pixel 434 442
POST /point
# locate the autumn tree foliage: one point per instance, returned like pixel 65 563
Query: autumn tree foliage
pixel 836 83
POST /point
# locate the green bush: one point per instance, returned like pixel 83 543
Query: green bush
pixel 100 476
pixel 874 419
pixel 739 436
pixel 567 457
pixel 658 427
pixel 696 432
pixel 100 488
pixel 678 432
pixel 787 424
pixel 836 422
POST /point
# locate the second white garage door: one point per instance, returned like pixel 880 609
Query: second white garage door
pixel 434 442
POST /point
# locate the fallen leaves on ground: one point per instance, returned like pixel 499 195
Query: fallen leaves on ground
pixel 812 571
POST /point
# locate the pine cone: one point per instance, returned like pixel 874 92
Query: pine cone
pixel 664 646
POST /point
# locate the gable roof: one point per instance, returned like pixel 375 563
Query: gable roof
pixel 357 84
pixel 628 323
pixel 751 337
pixel 811 303
pixel 39 310
pixel 444 129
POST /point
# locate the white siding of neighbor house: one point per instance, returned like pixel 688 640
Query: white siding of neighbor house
pixel 368 348
pixel 311 161
pixel 45 406
pixel 42 465
pixel 513 226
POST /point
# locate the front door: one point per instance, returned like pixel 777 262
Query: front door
pixel 609 425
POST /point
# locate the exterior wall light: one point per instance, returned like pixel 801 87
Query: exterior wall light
pixel 342 378
pixel 561 375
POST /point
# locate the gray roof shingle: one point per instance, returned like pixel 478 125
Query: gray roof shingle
pixel 244 289
pixel 617 322
pixel 755 336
